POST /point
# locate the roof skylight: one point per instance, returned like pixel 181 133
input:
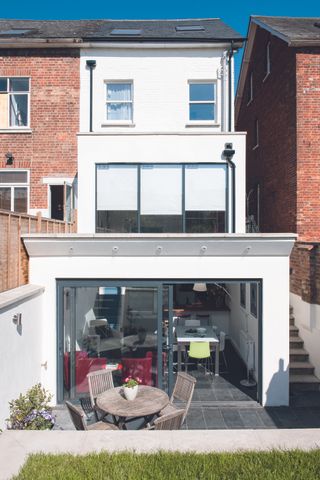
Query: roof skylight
pixel 125 31
pixel 15 31
pixel 190 28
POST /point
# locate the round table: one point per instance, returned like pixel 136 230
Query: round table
pixel 148 402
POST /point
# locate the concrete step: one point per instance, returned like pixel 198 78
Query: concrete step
pixel 291 309
pixel 291 320
pixel 294 331
pixel 296 342
pixel 298 355
pixel 305 383
pixel 301 368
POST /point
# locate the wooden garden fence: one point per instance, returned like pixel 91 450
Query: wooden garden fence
pixel 13 256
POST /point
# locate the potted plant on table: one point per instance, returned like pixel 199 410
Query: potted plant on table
pixel 130 387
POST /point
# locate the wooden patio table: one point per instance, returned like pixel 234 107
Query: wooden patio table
pixel 148 402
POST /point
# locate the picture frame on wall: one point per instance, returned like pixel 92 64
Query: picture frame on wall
pixel 243 291
pixel 254 299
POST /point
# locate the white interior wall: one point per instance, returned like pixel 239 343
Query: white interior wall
pixel 20 347
pixel 307 319
pixel 275 308
pixel 241 320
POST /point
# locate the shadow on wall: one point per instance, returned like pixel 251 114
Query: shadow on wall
pixel 278 383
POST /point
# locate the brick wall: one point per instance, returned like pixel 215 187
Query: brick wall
pixel 305 271
pixel 51 148
pixel 272 164
pixel 308 144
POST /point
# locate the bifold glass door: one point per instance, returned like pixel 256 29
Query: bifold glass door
pixel 115 326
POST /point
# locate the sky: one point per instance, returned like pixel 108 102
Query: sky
pixel 235 13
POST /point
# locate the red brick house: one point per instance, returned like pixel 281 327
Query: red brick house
pixel 278 104
pixel 39 117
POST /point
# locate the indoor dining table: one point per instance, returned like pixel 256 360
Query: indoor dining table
pixel 185 335
pixel 148 402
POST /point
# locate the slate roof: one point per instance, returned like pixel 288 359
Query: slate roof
pixel 213 30
pixel 295 30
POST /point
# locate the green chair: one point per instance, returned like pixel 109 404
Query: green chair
pixel 201 351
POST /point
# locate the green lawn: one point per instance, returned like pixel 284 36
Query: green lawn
pixel 295 465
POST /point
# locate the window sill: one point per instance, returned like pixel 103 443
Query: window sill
pixel 15 130
pixel 202 123
pixel 118 124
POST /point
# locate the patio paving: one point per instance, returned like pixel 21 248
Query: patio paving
pixel 222 403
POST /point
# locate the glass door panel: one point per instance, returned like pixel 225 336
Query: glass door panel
pixel 111 326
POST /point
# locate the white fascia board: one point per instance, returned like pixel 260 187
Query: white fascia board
pixel 151 245
pixel 244 67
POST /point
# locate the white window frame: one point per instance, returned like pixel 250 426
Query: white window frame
pixel 13 185
pixel 108 122
pixel 8 93
pixel 256 134
pixel 250 99
pixel 268 62
pixel 214 102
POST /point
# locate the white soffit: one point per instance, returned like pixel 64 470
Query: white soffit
pixel 148 245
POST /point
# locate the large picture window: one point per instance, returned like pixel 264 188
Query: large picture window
pixel 14 190
pixel 14 102
pixel 161 198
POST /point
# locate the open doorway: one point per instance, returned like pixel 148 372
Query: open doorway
pixel 61 202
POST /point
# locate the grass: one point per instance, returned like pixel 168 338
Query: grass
pixel 275 465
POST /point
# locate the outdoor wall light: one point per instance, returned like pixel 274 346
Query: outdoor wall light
pixel 159 249
pixel 9 158
pixel 228 151
pixel 71 250
pixel 115 249
pixel 203 249
pixel 17 319
pixel 246 250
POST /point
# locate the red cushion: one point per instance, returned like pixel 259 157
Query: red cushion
pixel 83 367
pixel 138 368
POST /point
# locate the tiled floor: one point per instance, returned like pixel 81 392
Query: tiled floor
pixel 222 403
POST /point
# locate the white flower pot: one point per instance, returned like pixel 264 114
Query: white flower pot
pixel 130 392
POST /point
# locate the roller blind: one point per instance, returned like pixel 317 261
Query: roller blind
pixel 161 190
pixel 117 187
pixel 205 187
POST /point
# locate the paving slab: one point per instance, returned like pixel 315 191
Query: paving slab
pixel 15 446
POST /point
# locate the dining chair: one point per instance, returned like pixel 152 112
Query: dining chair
pixel 182 392
pixel 99 381
pixel 171 421
pixel 79 421
pixel 201 351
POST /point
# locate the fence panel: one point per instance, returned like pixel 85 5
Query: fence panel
pixel 13 255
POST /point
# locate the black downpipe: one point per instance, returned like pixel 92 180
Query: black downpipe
pixel 91 64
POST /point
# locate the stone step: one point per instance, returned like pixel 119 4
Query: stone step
pixel 296 342
pixel 301 368
pixel 291 309
pixel 294 331
pixel 291 320
pixel 298 355
pixel 305 383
